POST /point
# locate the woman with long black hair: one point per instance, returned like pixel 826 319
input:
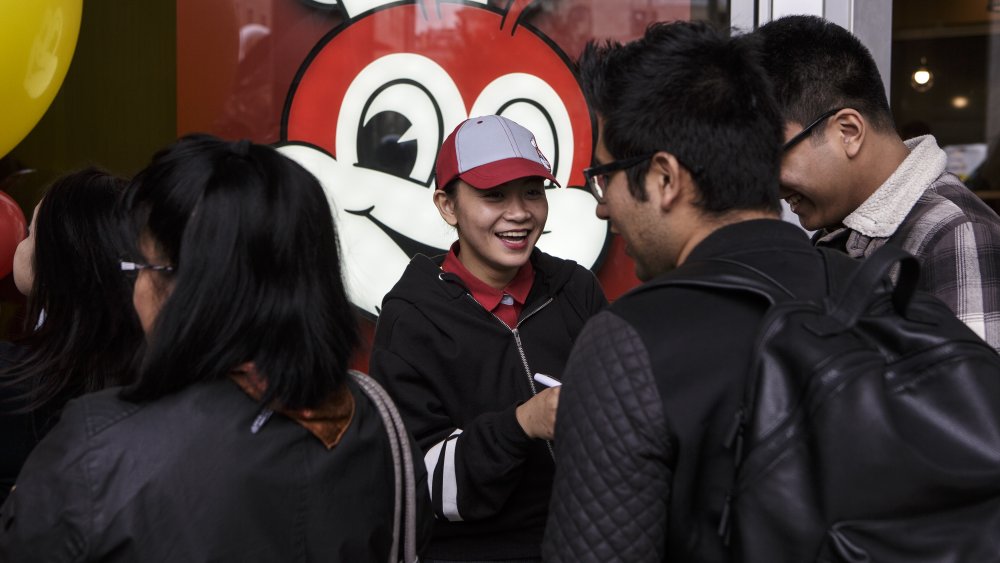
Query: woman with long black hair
pixel 244 438
pixel 81 333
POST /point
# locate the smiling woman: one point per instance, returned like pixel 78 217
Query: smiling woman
pixel 462 334
pixel 497 227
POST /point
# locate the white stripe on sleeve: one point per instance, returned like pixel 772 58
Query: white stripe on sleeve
pixel 449 481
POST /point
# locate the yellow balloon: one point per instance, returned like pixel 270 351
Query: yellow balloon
pixel 37 40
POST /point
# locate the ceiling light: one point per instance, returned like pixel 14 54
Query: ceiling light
pixel 922 78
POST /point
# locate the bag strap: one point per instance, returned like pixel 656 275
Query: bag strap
pixel 849 297
pixel 402 458
pixel 852 298
pixel 720 273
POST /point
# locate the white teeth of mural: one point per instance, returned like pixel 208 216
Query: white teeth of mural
pixel 372 261
pixel 355 7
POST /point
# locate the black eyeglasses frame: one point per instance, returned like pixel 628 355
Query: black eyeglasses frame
pixel 807 130
pixel 592 175
pixel 136 267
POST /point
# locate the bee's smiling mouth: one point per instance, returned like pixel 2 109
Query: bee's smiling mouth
pixel 409 246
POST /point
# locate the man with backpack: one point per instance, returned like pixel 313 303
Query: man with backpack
pixel 847 173
pixel 678 405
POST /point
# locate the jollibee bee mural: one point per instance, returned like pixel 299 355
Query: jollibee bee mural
pixel 375 98
pixel 363 92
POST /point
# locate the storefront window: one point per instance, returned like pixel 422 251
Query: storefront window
pixel 945 65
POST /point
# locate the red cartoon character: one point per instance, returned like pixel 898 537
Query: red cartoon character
pixel 375 99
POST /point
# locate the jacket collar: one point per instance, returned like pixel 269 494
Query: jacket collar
pixel 883 212
pixel 423 279
pixel 327 422
pixel 755 235
pixel 487 295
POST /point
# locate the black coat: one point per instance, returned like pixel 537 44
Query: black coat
pixel 653 387
pixel 20 432
pixel 183 478
pixel 458 373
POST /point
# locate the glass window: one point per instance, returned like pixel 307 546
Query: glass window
pixel 945 68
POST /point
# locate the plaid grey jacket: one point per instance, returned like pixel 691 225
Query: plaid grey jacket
pixel 933 216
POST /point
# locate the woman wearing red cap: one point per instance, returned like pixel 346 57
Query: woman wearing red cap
pixel 461 336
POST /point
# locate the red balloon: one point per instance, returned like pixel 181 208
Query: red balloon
pixel 13 229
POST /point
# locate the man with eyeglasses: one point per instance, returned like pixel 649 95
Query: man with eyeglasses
pixel 848 175
pixel 686 172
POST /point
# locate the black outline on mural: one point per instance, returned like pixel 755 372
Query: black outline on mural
pixel 437 111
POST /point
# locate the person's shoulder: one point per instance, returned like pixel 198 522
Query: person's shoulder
pixel 659 298
pixel 418 270
pixel 418 283
pixel 580 277
pixel 561 271
pixel 605 331
pixel 552 265
pixel 11 353
pixel 419 300
pixel 99 411
pixel 948 205
pixel 948 193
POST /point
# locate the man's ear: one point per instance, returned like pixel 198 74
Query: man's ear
pixel 851 130
pixel 663 182
pixel 446 207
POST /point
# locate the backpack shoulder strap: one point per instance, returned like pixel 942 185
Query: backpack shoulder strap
pixel 402 458
pixel 720 273
pixel 851 294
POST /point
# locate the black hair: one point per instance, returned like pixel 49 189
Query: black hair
pixel 688 89
pixel 816 66
pixel 81 331
pixel 256 278
pixel 451 188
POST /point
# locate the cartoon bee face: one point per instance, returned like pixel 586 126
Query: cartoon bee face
pixel 372 104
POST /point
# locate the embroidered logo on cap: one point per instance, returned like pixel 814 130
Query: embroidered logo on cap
pixel 541 157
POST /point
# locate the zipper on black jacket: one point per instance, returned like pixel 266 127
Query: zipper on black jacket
pixel 520 348
pixel 527 370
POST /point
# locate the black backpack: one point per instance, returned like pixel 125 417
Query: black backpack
pixel 870 425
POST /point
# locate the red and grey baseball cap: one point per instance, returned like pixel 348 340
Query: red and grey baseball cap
pixel 488 151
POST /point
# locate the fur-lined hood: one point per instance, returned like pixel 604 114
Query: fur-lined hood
pixel 883 212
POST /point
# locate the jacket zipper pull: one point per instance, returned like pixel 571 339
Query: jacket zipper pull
pixel 261 420
pixel 735 429
pixel 724 523
pixel 734 437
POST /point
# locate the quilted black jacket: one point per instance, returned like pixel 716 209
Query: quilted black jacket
pixel 653 384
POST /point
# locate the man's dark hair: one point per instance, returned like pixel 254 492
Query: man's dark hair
pixel 817 66
pixel 256 276
pixel 688 89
